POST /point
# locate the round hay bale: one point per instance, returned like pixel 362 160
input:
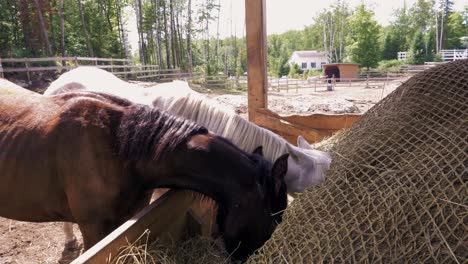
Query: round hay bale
pixel 397 188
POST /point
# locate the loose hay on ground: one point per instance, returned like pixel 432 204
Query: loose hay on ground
pixel 194 250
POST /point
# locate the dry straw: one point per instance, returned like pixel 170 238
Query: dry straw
pixel 194 250
pixel 397 188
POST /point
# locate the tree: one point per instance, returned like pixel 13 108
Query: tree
pixel 363 39
pixel 442 14
pixel 85 31
pixel 417 50
pixel 390 47
pixel 401 28
pixel 456 29
pixel 189 35
pixel 62 29
pixel 334 28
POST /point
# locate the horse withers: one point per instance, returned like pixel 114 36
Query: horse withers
pixel 94 159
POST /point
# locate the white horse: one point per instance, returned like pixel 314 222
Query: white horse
pixel 306 166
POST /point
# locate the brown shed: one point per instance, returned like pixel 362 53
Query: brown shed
pixel 341 70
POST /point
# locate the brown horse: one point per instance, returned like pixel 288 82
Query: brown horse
pixel 94 159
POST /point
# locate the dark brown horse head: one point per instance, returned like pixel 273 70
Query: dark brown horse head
pixel 249 190
pixel 249 222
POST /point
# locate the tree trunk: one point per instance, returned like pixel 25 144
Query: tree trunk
pixel 442 30
pixel 85 31
pixel 180 44
pixel 141 40
pixel 189 33
pixel 122 30
pixel 437 31
pixel 217 35
pixel 62 30
pixel 158 34
pixel 166 39
pixel 173 33
pixel 45 35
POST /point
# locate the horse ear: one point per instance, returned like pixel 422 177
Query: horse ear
pixel 258 151
pixel 302 143
pixel 279 171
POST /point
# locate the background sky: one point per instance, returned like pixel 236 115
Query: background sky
pixel 284 15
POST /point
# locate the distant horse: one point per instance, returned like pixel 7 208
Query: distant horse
pixel 306 166
pixel 94 159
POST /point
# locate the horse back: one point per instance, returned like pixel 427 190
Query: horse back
pixel 48 144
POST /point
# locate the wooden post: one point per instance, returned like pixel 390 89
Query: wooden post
pixel 112 65
pixel 75 59
pixel 255 18
pixel 1 69
pixel 26 64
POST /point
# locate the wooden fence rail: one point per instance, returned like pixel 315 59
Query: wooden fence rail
pixel 126 68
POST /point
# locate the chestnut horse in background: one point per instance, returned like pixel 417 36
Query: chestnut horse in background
pixel 94 159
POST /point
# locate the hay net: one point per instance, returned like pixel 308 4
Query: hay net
pixel 397 188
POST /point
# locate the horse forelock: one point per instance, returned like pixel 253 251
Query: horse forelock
pixel 146 134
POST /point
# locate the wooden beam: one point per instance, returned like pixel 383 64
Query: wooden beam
pixel 317 121
pixel 168 218
pixel 291 131
pixel 255 16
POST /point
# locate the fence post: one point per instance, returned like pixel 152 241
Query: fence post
pixel 75 61
pixel 287 85
pixel 1 69
pixel 367 81
pixel 112 65
pixel 297 86
pixel 26 64
pixel 315 84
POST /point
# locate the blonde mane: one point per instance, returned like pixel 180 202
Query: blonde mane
pixel 228 124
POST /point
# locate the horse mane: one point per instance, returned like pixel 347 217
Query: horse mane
pixel 224 123
pixel 147 133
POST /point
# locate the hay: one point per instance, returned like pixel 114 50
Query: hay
pixel 194 250
pixel 397 188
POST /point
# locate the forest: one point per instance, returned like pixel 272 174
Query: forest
pixel 176 33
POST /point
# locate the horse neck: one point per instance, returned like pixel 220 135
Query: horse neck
pixel 242 133
pixel 202 168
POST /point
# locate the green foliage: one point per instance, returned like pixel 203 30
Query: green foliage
pixel 390 47
pixel 417 49
pixel 456 29
pixel 389 65
pixel 363 39
pixel 295 71
pixel 345 35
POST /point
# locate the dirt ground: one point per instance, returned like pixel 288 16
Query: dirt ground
pixel 22 242
pixel 342 100
pixel 25 243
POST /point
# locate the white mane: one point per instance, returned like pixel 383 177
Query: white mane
pixel 306 166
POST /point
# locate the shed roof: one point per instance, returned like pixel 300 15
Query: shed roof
pixel 308 53
pixel 336 64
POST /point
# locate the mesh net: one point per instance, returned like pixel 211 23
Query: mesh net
pixel 397 188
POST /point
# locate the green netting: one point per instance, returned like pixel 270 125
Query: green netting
pixel 397 188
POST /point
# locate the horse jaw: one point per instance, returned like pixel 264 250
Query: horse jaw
pixel 306 168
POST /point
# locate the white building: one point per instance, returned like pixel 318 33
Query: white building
pixel 308 59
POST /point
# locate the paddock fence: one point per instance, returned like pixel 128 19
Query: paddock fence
pixel 124 68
